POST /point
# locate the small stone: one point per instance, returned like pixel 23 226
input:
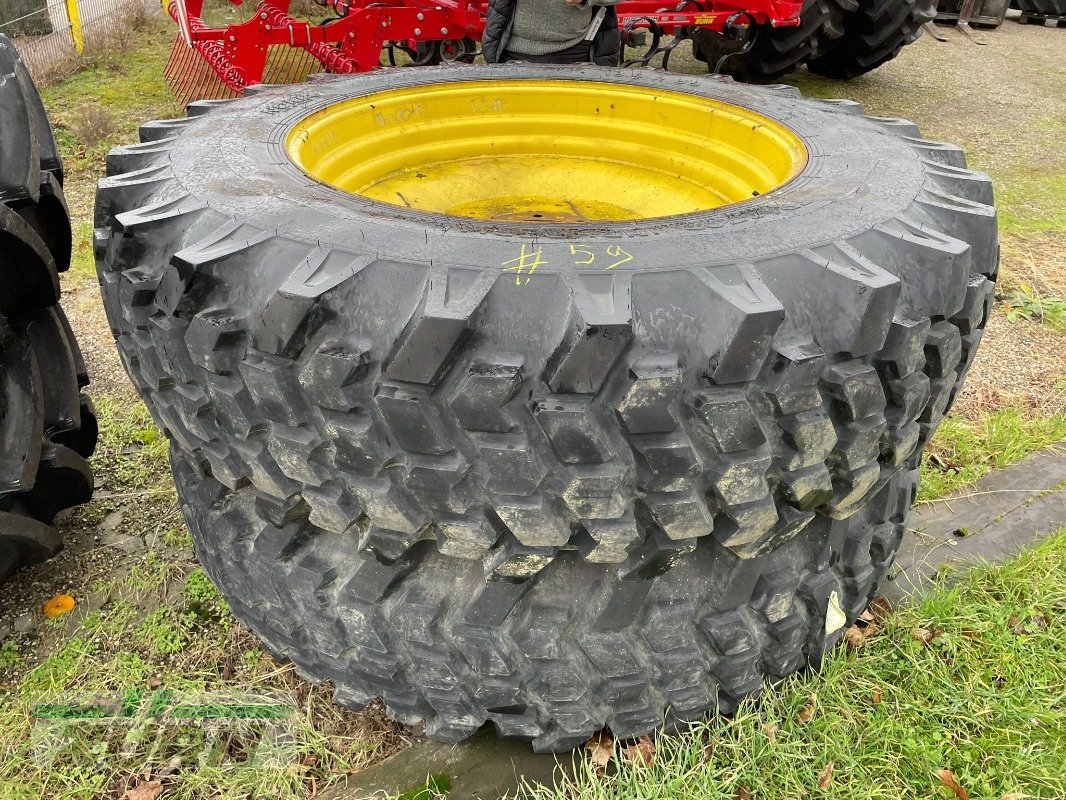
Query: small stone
pixel 126 544
pixel 24 622
pixel 111 521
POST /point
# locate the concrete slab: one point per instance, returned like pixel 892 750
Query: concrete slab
pixel 1002 514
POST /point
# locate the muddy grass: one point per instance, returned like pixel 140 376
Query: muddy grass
pixel 146 619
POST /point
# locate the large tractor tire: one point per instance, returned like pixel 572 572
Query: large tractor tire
pixel 775 51
pixel 1041 8
pixel 47 426
pixel 874 33
pixel 551 397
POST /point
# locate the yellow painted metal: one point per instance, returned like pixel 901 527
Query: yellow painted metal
pixel 546 150
pixel 77 34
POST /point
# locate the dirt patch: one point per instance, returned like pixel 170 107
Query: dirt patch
pixel 1018 365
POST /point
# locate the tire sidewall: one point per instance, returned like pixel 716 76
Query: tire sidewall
pixel 858 176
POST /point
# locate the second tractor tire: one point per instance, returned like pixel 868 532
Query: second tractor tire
pixel 1042 8
pixel 47 425
pixel 775 51
pixel 874 33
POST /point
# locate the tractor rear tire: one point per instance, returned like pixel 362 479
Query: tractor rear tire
pixel 874 33
pixel 618 496
pixel 1042 8
pixel 47 426
pixel 776 51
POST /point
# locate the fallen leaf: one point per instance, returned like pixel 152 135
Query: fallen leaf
pixel 708 752
pixel 1041 622
pixel 923 635
pixel 144 790
pixel 880 608
pixel 876 696
pixel 601 747
pixel 154 683
pixel 856 637
pixel 743 793
pixel 58 606
pixel 826 777
pixel 948 779
pixel 643 752
pixel 1016 626
pixel 807 712
pixel 771 732
pixel 227 667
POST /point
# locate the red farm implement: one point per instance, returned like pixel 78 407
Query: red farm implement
pixel 273 47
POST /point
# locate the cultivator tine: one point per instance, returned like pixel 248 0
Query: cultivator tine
pixel 184 61
pixel 190 77
pixel 180 55
pixel 291 64
pixel 934 31
pixel 304 65
pixel 965 13
pixel 208 86
pixel 182 85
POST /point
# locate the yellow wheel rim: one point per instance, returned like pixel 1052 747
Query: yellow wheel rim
pixel 547 151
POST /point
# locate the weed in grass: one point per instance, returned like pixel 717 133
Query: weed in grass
pixel 150 575
pixel 1029 305
pixel 92 125
pixel 198 590
pixel 9 655
pixel 963 450
pixel 176 538
pixel 162 633
pixel 132 452
pixel 82 270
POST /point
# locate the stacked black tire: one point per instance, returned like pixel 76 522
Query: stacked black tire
pixel 1055 9
pixel 840 39
pixel 47 426
pixel 602 498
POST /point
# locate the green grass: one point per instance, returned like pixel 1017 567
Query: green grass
pixel 162 628
pixel 985 699
pixel 964 450
pixel 131 450
pixel 1031 201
